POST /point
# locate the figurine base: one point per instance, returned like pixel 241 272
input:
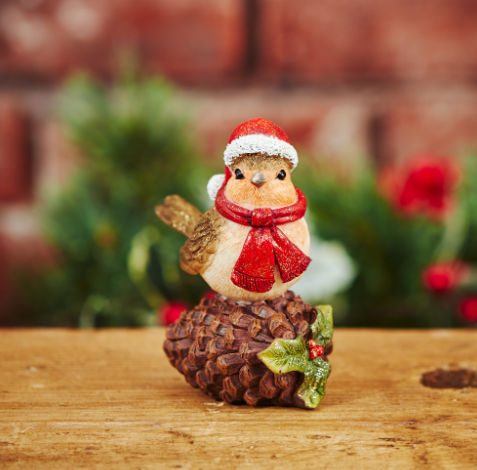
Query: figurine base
pixel 215 346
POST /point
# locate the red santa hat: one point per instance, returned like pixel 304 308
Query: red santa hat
pixel 255 136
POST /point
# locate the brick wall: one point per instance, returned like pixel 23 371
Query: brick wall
pixel 347 79
pixel 190 41
pixel 360 40
pixel 15 162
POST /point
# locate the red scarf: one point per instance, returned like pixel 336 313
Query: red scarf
pixel 266 244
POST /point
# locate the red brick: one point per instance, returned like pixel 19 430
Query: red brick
pixel 327 40
pixel 320 126
pixel 190 41
pixel 56 160
pixel 196 42
pixel 15 165
pixel 19 250
pixel 4 283
pixel 443 122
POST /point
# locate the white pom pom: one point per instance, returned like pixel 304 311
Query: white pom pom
pixel 214 184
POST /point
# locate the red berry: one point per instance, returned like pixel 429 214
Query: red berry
pixel 319 350
pixel 312 343
pixel 314 353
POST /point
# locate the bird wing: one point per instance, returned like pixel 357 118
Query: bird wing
pixel 179 214
pixel 203 242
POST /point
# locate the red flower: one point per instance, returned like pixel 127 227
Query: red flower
pixel 426 185
pixel 443 277
pixel 170 312
pixel 468 309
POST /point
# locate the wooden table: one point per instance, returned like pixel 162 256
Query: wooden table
pixel 109 399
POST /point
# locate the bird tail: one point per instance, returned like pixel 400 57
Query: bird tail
pixel 178 214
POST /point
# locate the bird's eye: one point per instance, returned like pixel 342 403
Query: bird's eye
pixel 239 175
pixel 281 175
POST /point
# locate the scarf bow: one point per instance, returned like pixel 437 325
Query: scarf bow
pixel 265 245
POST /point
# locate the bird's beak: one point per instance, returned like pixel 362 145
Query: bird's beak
pixel 258 179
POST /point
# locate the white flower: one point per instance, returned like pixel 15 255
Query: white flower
pixel 330 271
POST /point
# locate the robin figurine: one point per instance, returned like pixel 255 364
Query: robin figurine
pixel 250 247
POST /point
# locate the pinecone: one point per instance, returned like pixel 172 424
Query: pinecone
pixel 215 347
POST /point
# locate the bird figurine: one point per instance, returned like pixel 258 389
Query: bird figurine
pixel 254 341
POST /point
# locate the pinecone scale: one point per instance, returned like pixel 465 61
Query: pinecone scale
pixel 215 346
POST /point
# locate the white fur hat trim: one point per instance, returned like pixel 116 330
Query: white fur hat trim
pixel 259 143
pixel 214 184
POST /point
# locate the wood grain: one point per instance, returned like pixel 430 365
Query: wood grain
pixel 109 399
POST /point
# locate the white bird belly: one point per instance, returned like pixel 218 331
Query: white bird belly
pixel 219 269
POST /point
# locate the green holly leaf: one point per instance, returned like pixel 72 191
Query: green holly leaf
pixel 286 355
pixel 322 328
pixel 312 389
pixel 289 355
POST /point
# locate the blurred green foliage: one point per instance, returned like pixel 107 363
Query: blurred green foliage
pixel 117 262
pixel 391 250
